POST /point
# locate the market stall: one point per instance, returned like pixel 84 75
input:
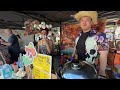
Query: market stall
pixel 31 64
pixel 112 33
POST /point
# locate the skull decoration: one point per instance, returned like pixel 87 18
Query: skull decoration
pixel 38 37
pixel 91 49
pixel 42 25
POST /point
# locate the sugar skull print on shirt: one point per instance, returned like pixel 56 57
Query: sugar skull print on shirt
pixel 94 43
pixel 91 49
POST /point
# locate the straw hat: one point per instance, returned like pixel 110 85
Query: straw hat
pixel 92 14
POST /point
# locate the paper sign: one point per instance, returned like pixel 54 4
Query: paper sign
pixel 42 67
pixel 7 71
pixel 31 53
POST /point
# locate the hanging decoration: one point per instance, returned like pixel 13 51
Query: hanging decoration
pixel 34 27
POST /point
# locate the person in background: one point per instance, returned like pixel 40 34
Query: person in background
pixel 45 46
pixel 13 45
pixel 1 40
pixel 90 44
pixel 27 24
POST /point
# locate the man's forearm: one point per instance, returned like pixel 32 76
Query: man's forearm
pixel 6 43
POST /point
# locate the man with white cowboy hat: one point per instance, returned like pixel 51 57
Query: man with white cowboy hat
pixel 90 45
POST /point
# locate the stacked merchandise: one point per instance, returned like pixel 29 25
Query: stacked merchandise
pixel 5 71
pixel 116 71
pixel 18 70
pixel 111 55
pixel 13 71
pixel 110 29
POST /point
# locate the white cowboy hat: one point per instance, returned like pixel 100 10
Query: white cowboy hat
pixel 92 14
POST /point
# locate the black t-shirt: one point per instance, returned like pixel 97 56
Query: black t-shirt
pixel 80 47
pixel 14 48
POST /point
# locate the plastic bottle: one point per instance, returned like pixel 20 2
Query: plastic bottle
pixel 15 67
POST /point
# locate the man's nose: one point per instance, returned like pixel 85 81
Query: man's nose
pixel 84 22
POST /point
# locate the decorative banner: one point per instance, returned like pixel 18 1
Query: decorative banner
pixel 42 67
pixel 31 53
pixel 6 71
pixel 68 36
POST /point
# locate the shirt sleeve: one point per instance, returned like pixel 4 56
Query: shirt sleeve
pixel 11 40
pixel 102 42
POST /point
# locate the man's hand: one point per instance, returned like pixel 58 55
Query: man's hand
pixel 2 42
pixel 6 43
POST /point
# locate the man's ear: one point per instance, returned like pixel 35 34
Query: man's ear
pixel 92 24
